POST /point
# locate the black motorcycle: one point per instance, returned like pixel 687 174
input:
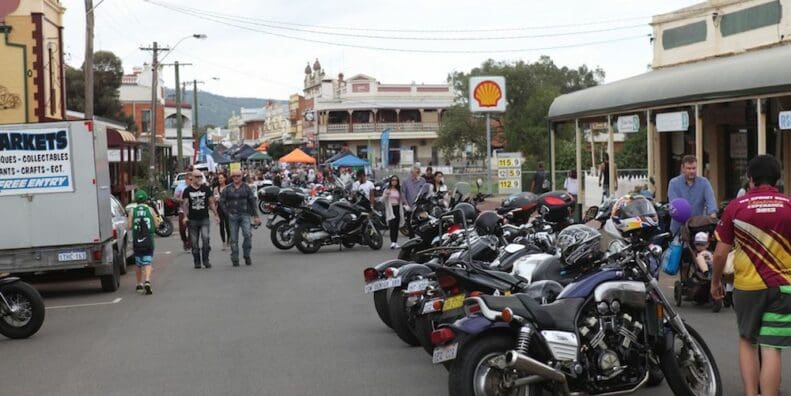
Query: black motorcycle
pixel 328 223
pixel 610 331
pixel 21 308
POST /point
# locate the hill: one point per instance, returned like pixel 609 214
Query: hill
pixel 217 109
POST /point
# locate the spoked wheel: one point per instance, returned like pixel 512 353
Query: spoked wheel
pixel 687 375
pixel 282 236
pixel 26 313
pixel 302 243
pixel 373 237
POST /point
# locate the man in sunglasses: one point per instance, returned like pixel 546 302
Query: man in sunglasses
pixel 199 200
pixel 239 202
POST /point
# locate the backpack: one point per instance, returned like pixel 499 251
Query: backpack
pixel 143 244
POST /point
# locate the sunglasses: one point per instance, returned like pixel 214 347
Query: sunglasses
pixel 197 177
pixel 236 176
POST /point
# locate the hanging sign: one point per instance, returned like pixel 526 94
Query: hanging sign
pixel 672 122
pixel 784 120
pixel 487 94
pixel 34 161
pixel 628 124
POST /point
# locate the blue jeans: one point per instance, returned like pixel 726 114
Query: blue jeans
pixel 237 221
pixel 199 232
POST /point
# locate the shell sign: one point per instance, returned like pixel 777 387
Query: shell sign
pixel 487 94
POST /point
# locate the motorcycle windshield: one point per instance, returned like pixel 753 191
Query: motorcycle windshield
pixel 462 190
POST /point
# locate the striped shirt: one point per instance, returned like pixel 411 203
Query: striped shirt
pixel 758 225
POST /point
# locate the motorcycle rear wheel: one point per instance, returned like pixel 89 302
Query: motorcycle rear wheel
pixel 165 228
pixel 678 380
pixel 399 318
pixel 31 311
pixel 381 298
pixel 302 244
pixel 262 207
pixel 277 237
pixel 424 326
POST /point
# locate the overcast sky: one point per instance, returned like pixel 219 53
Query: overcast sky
pixel 249 62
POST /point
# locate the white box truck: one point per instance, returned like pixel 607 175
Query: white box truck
pixel 55 210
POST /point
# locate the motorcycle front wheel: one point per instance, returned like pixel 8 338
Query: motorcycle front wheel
pixel 27 310
pixel 688 377
pixel 262 207
pixel 165 228
pixel 302 243
pixel 373 237
pixel 281 236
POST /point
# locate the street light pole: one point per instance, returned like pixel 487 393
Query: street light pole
pixel 88 64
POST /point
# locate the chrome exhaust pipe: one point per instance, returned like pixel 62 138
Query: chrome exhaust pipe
pixel 315 236
pixel 527 365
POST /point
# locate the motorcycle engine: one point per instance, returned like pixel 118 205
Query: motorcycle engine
pixel 613 347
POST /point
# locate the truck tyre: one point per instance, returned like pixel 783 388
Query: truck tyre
pixel 111 282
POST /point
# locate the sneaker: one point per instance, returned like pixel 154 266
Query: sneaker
pixel 197 266
pixel 392 245
pixel 395 246
pixel 248 261
pixel 148 288
pixel 139 289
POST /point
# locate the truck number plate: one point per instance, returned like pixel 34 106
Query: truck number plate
pixel 73 256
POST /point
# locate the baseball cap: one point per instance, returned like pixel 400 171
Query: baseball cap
pixel 701 238
pixel 141 196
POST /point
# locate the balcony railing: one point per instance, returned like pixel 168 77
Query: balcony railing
pixel 370 127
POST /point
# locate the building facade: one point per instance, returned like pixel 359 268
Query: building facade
pixel 135 97
pixel 720 90
pixel 353 113
pixel 31 61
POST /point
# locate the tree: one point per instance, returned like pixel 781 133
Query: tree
pixel 634 154
pixel 276 150
pixel 108 73
pixel 459 130
pixel 531 88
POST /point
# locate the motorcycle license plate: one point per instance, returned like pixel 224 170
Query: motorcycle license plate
pixel 428 307
pixel 445 353
pixel 79 255
pixel 417 286
pixel 454 302
pixel 382 284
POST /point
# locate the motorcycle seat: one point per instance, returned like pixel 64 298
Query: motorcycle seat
pixel 558 315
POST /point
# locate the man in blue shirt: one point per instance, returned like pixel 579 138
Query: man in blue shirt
pixel 695 189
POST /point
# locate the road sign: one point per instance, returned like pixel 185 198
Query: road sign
pixel 509 172
pixel 487 94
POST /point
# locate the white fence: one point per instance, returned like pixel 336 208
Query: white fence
pixel 628 180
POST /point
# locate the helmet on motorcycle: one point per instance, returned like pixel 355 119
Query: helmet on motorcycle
pixel 578 245
pixel 488 223
pixel 633 214
pixel 468 211
pixel 141 196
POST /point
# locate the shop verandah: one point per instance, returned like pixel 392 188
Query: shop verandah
pixel 724 111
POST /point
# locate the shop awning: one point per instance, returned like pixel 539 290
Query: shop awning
pixel 119 137
pixel 297 156
pixel 757 72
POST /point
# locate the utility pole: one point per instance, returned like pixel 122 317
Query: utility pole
pixel 152 164
pixel 88 65
pixel 179 138
pixel 195 110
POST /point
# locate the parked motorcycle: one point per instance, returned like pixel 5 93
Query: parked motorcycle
pixel 611 330
pixel 21 308
pixel 324 223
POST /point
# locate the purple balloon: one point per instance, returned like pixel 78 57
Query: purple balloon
pixel 680 210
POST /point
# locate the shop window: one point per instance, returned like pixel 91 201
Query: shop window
pixel 684 35
pixel 362 152
pixel 763 15
pixel 145 120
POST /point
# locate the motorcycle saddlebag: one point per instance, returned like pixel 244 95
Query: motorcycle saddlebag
pixel 291 198
pixel 556 206
pixel 269 194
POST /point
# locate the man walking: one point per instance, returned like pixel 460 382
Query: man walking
pixel 537 186
pixel 695 189
pixel 412 186
pixel 198 200
pixel 758 225
pixel 238 202
pixel 142 222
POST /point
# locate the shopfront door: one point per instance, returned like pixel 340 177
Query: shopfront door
pixel 741 144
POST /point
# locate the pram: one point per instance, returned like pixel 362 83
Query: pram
pixel 693 284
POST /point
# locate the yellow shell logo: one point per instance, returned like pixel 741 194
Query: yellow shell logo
pixel 487 93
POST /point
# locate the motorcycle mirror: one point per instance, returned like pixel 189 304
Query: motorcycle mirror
pixel 591 213
pixel 479 182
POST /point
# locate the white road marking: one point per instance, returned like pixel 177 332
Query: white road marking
pixel 168 252
pixel 116 301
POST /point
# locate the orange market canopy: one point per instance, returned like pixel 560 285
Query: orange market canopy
pixel 297 156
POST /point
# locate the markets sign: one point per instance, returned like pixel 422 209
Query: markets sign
pixel 785 120
pixel 487 94
pixel 34 161
pixel 628 124
pixel 672 122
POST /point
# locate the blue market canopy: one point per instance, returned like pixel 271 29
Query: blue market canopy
pixel 752 73
pixel 338 156
pixel 219 158
pixel 349 161
pixel 244 152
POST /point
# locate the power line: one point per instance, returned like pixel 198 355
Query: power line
pixel 402 50
pixel 251 21
pixel 477 30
